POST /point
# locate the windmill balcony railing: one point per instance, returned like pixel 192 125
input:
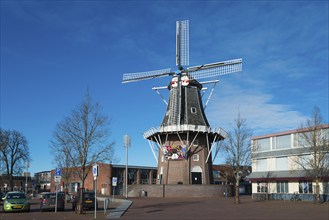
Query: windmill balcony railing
pixel 184 128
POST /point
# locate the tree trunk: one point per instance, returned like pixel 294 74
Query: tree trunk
pixel 80 205
pixel 11 183
pixel 237 198
pixel 317 191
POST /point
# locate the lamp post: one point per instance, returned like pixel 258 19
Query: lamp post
pixel 127 142
pixel 27 167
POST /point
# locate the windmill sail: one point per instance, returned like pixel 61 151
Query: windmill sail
pixel 182 43
pixel 133 77
pixel 215 69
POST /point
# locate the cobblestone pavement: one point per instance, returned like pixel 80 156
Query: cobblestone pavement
pixel 189 208
pixel 222 208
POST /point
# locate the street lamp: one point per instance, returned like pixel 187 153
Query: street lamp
pixel 127 142
pixel 27 167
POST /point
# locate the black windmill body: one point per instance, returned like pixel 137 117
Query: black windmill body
pixel 185 104
pixel 185 141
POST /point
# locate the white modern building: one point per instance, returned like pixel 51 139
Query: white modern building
pixel 277 168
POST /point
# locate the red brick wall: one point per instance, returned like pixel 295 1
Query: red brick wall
pixel 177 190
pixel 179 170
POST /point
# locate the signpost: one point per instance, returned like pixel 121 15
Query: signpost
pixel 58 176
pixel 114 184
pixel 95 174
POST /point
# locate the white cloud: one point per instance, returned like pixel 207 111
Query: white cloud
pixel 262 115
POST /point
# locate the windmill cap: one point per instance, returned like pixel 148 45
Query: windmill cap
pixel 193 83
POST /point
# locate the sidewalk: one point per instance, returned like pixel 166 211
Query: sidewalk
pixel 120 207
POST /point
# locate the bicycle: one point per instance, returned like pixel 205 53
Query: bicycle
pixel 279 197
pixel 315 199
pixel 295 197
pixel 261 196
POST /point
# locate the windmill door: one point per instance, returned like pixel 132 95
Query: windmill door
pixel 196 178
pixel 196 174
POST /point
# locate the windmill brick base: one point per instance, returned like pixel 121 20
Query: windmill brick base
pixel 184 157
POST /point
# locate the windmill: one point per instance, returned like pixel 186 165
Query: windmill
pixel 185 140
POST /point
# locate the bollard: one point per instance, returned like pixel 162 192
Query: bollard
pixel 106 204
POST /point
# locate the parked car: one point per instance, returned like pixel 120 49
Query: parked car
pixel 2 195
pixel 15 201
pixel 88 200
pixel 48 201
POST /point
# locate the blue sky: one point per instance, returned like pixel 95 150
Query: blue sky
pixel 52 51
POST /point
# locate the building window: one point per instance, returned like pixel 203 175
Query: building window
pixel 325 187
pixel 261 165
pixel 303 139
pixel 196 143
pixel 261 187
pixel 193 110
pixel 195 157
pixel 262 144
pixel 282 163
pixel 282 187
pixel 283 142
pixel 304 162
pixel 305 186
pixel 216 173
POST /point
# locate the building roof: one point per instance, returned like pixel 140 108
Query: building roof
pixel 286 132
pixel 277 175
pixel 134 167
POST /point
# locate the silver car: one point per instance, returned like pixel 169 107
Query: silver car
pixel 48 201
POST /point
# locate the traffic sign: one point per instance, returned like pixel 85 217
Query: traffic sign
pixel 95 170
pixel 114 181
pixel 58 172
pixel 58 179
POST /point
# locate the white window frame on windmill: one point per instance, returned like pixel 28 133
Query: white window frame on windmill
pixel 193 110
pixel 195 157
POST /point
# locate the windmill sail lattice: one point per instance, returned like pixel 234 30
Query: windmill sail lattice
pixel 185 133
pixel 182 43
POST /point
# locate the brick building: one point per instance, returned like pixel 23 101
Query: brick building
pixel 18 183
pixel 42 181
pixel 71 182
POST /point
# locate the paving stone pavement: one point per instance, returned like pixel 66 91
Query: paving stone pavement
pixel 222 208
pixel 186 208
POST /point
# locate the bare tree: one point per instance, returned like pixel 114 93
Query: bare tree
pixel 82 138
pixel 14 152
pixel 313 158
pixel 64 161
pixel 238 150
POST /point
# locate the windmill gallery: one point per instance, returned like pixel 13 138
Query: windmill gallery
pixel 185 141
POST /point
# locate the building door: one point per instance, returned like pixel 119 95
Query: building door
pixel 196 174
pixel 196 178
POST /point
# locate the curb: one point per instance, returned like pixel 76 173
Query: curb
pixel 120 210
